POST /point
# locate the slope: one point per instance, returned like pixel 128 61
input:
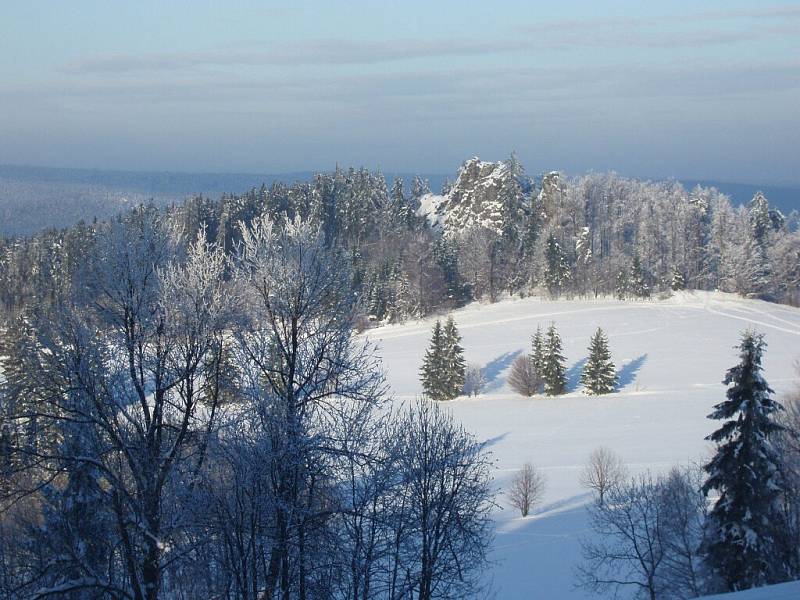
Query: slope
pixel 671 355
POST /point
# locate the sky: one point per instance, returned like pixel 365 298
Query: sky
pixel 699 90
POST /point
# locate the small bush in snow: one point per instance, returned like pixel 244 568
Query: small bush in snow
pixel 474 380
pixel 524 378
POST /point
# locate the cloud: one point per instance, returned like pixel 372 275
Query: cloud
pixel 315 52
pixel 693 31
pixel 437 91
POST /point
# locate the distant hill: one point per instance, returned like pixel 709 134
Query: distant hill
pixel 34 198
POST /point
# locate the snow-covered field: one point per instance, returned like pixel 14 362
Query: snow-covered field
pixel 672 355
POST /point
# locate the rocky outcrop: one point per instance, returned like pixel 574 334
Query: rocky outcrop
pixel 551 196
pixel 475 200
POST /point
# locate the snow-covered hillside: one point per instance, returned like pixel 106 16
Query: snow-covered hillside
pixel 783 591
pixel 671 354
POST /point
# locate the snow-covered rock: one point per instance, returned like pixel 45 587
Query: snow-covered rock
pixel 474 200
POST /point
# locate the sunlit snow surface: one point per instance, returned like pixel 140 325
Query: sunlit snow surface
pixel 672 355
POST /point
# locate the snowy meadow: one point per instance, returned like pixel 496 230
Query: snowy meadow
pixel 671 355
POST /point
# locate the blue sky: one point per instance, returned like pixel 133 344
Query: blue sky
pixel 706 90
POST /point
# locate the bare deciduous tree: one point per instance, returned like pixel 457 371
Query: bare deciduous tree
pixel 604 470
pixel 647 537
pixel 447 501
pixel 526 489
pixel 525 379
pixel 788 443
pixel 628 547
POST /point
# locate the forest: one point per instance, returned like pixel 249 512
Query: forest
pixel 188 411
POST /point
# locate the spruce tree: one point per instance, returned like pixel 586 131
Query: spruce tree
pixel 599 375
pixel 538 351
pixel 553 368
pixel 455 365
pixel 638 284
pixel 557 269
pixel 740 533
pixel 677 280
pixel 434 365
pixel 621 284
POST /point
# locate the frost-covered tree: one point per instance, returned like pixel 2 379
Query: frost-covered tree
pixel 583 260
pixel 443 506
pixel 621 283
pixel 553 365
pixel 120 370
pixel 599 375
pixel 474 380
pixel 557 269
pixel 677 280
pixel 309 384
pixel 637 284
pixel 740 535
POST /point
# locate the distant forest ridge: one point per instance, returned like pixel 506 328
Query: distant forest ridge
pixel 35 198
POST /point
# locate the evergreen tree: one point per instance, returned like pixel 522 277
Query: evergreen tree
pixel 553 367
pixel 402 214
pixel 538 351
pixel 557 270
pixel 621 284
pixel 677 280
pixel 638 283
pixel 599 375
pixel 740 532
pixel 758 214
pixel 419 187
pixel 443 368
pixel 434 365
pixel 455 365
pixel 445 253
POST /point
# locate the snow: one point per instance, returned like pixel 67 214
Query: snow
pixel 783 591
pixel 429 208
pixel 672 355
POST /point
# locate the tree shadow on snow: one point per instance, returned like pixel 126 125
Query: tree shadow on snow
pixel 627 374
pixel 493 440
pixel 492 370
pixel 573 374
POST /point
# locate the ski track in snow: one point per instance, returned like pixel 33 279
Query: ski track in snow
pixel 676 352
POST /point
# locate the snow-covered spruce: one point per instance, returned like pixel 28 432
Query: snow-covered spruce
pixel 443 369
pixel 740 535
pixel 553 367
pixel 599 376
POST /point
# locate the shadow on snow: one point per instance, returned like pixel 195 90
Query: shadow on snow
pixel 493 369
pixel 627 374
pixel 573 374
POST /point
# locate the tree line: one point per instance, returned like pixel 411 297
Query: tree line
pixel 445 375
pixel 588 235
